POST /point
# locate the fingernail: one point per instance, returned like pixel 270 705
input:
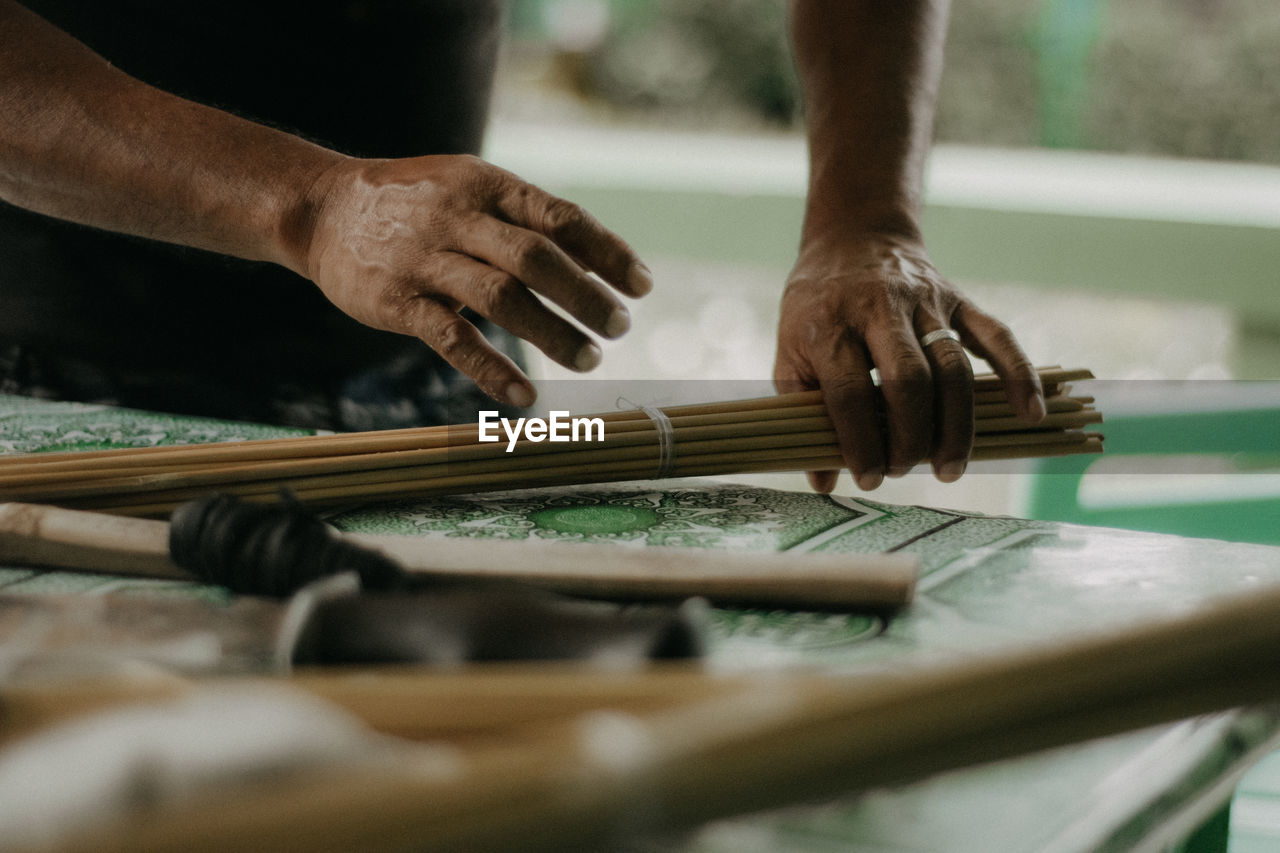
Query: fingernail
pixel 618 323
pixel 1036 408
pixel 639 279
pixel 895 473
pixel 949 472
pixel 869 480
pixel 520 395
pixel 587 358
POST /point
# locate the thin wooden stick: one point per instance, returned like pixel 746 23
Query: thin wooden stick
pixel 1038 439
pixel 1002 409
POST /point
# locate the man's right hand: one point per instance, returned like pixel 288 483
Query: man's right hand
pixel 404 245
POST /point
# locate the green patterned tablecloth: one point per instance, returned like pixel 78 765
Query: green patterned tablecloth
pixel 988 584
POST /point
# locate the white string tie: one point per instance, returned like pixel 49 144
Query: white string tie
pixel 666 437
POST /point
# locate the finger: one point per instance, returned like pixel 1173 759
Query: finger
pixel 844 377
pixel 907 387
pixel 579 233
pixel 953 398
pixel 822 482
pixel 497 296
pixel 463 346
pixel 992 341
pixel 543 267
pixel 785 381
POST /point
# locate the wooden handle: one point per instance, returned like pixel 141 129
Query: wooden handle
pixel 72 539
pixel 38 535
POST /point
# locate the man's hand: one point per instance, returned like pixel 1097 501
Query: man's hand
pixel 863 293
pixel 404 245
pixel 867 303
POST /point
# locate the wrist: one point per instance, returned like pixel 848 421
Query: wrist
pixel 857 230
pixel 828 225
pixel 301 209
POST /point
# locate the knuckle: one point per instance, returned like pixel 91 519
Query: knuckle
pixel 493 289
pixel 906 367
pixel 477 179
pixel 564 219
pixel 585 301
pixel 532 253
pixel 1003 345
pixel 990 328
pixel 870 303
pixel 946 296
pixel 1002 334
pixel 1022 364
pixel 951 361
pixel 885 301
pixel 472 168
pixel 848 390
pixel 395 305
pixel 389 315
pixel 450 339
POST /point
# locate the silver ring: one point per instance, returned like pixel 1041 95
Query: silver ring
pixel 939 335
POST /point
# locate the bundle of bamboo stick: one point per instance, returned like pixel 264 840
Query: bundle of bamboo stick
pixel 788 432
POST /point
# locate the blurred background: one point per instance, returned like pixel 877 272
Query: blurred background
pixel 1178 78
pixel 1106 181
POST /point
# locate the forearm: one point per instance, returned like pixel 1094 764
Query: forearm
pixel 869 70
pixel 81 140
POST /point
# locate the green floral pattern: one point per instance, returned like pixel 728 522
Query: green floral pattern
pixel 39 426
pixel 683 513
